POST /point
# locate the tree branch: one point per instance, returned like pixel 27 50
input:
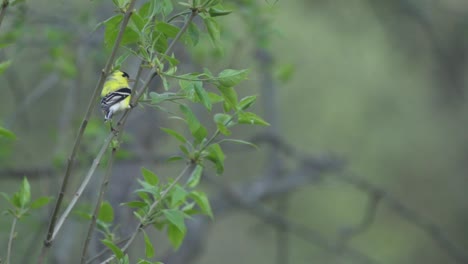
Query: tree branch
pixel 92 103
pixel 3 9
pixel 97 208
pixel 10 239
pixel 142 225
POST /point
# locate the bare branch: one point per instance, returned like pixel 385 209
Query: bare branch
pixel 10 239
pixel 92 103
pixel 97 207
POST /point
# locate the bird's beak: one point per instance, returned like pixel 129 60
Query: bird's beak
pixel 131 80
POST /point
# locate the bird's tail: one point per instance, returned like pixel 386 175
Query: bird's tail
pixel 107 114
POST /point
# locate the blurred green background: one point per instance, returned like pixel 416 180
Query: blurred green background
pixel 380 84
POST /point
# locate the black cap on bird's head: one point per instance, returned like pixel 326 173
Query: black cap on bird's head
pixel 124 74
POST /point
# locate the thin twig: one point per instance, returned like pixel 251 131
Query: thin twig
pixel 142 225
pixel 105 250
pixel 10 239
pixel 183 13
pixel 52 229
pixel 181 32
pixel 3 8
pixel 97 160
pixel 83 185
pixel 92 103
pixel 97 208
pixel 366 222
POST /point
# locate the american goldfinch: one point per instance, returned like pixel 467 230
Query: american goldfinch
pixel 115 94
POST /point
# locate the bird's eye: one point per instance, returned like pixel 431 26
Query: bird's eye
pixel 124 74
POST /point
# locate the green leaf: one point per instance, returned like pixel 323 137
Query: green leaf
pixel 230 97
pixel 25 193
pixel 186 85
pixel 118 62
pixel 157 98
pixel 230 77
pixel 174 134
pixel 149 249
pixel 144 196
pixel 112 30
pixel 215 98
pixel 203 202
pixel 167 29
pixel 196 129
pixel 221 121
pixel 160 42
pixel 239 141
pixel 188 208
pixel 4 65
pixel 143 261
pixel 159 225
pixel 140 215
pixel 137 23
pixel 210 3
pixel 247 102
pixel 178 195
pixel 106 213
pixel 214 12
pixel 7 133
pixel 83 215
pixel 125 260
pixel 176 237
pixel 285 72
pixel 202 95
pixel 193 33
pixel 175 158
pixel 40 202
pixel 115 249
pixel 216 155
pixel 185 4
pixel 135 204
pixel 175 218
pixel 165 6
pixel 146 10
pixel 251 119
pixel 212 27
pixel 184 150
pixel 149 176
pixel 195 177
pixel 165 82
pixel 172 61
pixel 148 188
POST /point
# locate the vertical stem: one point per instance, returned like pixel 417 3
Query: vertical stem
pixel 181 32
pixel 3 8
pixel 97 208
pixel 91 105
pixel 83 185
pixel 10 240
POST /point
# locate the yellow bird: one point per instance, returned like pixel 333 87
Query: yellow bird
pixel 115 94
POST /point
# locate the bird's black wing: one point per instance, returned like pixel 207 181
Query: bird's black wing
pixel 114 98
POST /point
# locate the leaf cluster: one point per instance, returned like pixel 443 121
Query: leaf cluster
pixel 20 202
